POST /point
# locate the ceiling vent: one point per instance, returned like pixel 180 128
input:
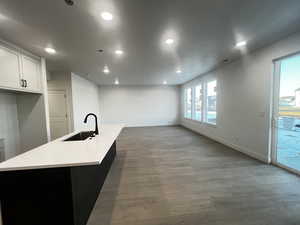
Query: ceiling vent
pixel 69 2
pixel 226 61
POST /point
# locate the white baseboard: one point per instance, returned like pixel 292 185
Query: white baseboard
pixel 154 125
pixel 236 147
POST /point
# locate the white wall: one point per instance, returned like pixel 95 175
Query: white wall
pixel 32 121
pixel 244 93
pixel 140 105
pixel 9 125
pixel 85 98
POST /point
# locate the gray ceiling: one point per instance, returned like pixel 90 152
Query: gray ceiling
pixel 205 32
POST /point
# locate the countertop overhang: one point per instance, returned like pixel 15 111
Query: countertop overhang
pixel 67 154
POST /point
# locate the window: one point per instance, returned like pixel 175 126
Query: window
pixel 198 103
pixel 211 102
pixel 188 103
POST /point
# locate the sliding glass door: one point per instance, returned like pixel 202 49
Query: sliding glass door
pixel 286 118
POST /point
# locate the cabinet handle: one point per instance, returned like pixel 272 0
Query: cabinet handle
pixel 22 83
pixel 25 83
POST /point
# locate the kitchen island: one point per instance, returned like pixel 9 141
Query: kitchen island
pixel 59 182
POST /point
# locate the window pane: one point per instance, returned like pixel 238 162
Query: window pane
pixel 188 104
pixel 211 102
pixel 198 102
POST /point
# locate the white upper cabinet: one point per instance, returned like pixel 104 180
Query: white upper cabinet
pixel 31 74
pixel 19 72
pixel 9 68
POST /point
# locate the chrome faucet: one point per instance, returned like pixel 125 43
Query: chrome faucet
pixel 96 132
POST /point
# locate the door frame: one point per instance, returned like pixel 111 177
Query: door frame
pixel 274 113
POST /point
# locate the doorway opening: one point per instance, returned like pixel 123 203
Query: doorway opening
pixel 286 114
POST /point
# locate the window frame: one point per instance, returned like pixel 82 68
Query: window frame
pixel 194 97
pixel 203 83
pixel 186 103
pixel 207 81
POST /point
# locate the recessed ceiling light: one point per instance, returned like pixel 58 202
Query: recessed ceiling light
pixel 119 52
pixel 170 41
pixel 50 50
pixel 116 81
pixel 241 44
pixel 178 71
pixel 107 16
pixel 106 70
pixel 165 82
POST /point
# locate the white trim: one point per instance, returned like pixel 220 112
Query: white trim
pixel 17 90
pixel 211 79
pixel 297 172
pixel 185 103
pixel 210 124
pixel 195 87
pixel 241 149
pixel 165 124
pixel 18 49
pixel 275 110
pixel 286 56
pixel 275 113
pixel 193 103
pixel 45 96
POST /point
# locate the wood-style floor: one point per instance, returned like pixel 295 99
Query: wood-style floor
pixel 172 176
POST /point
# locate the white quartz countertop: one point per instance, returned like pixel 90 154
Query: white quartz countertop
pixel 67 154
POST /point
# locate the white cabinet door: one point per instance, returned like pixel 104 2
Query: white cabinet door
pixel 9 68
pixel 31 73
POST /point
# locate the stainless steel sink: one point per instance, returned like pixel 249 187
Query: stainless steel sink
pixel 81 136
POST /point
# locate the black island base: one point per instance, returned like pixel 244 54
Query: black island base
pixel 53 196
